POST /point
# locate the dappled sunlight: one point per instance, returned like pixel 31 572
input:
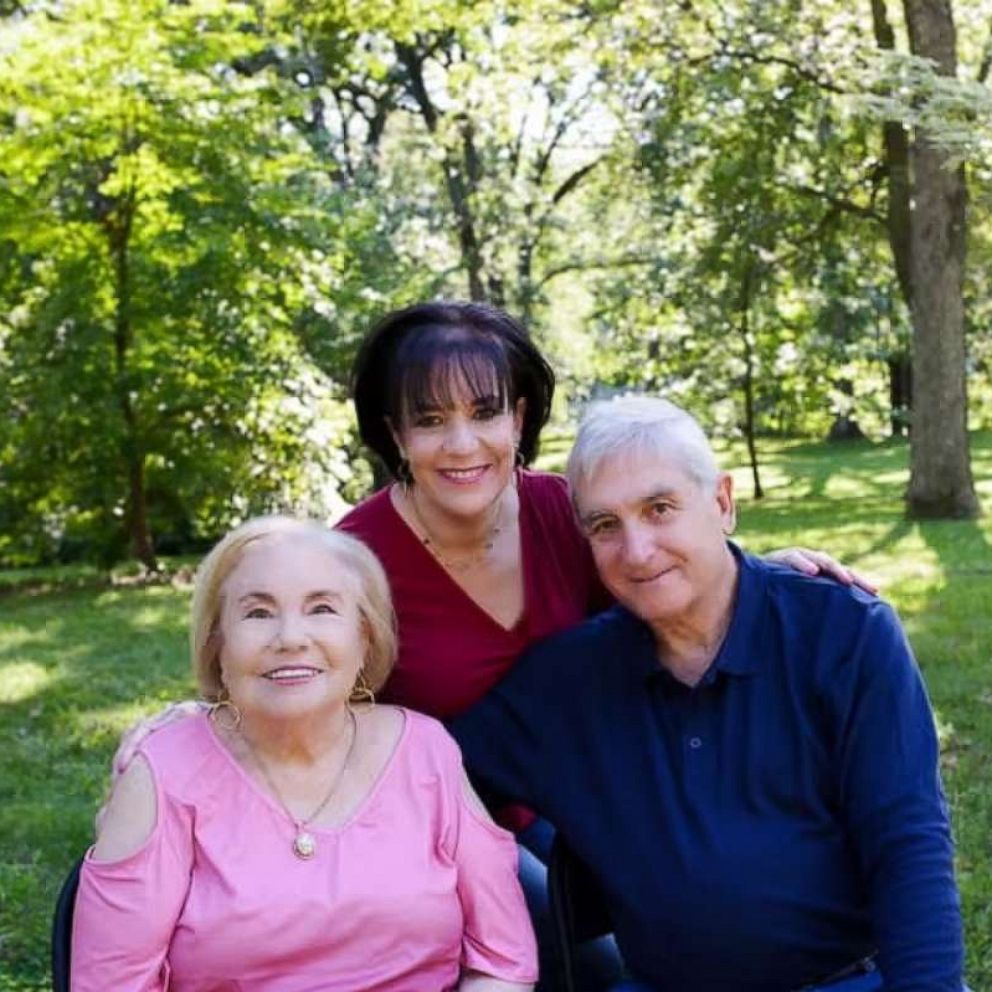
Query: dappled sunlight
pixel 21 639
pixel 96 724
pixel 845 487
pixel 20 680
pixel 945 731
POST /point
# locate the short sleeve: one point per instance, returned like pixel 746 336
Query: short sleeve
pixel 126 910
pixel 497 939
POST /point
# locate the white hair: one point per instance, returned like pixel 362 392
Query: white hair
pixel 642 424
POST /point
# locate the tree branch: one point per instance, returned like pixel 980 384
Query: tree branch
pixel 747 55
pixel 589 264
pixel 986 64
pixel 840 203
pixel 573 180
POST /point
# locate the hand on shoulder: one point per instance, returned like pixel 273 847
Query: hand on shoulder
pixel 811 562
pixel 132 737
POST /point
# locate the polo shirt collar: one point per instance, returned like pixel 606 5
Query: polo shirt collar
pixel 744 644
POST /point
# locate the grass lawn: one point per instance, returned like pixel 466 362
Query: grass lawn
pixel 80 661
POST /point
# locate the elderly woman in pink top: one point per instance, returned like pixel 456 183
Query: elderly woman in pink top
pixel 293 838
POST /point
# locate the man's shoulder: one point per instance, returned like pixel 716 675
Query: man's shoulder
pixel 812 596
pixel 586 642
pixel 832 619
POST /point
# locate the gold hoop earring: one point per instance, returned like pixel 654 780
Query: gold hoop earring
pixel 233 715
pixel 361 692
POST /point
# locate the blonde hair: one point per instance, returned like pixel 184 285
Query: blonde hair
pixel 371 586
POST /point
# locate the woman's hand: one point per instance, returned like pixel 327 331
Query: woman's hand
pixel 811 562
pixel 133 737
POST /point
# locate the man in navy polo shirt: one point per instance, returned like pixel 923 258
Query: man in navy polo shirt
pixel 745 756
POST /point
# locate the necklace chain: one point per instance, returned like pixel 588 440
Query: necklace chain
pixel 456 564
pixel 304 844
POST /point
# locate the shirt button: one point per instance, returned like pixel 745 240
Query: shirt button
pixel 695 743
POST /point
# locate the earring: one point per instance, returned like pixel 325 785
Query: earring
pixel 360 691
pixel 232 718
pixel 518 456
pixel 403 472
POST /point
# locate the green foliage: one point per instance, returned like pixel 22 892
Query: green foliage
pixel 204 205
pixel 166 227
pixel 767 256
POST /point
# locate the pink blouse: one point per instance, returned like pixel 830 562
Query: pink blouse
pixel 410 890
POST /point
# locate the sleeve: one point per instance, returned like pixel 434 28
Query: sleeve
pixel 126 910
pixel 497 939
pixel 895 809
pixel 501 735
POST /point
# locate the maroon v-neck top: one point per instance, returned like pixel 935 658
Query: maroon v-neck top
pixel 451 651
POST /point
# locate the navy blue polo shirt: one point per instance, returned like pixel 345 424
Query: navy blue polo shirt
pixel 762 829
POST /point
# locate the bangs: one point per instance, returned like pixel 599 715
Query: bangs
pixel 433 367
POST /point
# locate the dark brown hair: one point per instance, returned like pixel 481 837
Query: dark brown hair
pixel 410 359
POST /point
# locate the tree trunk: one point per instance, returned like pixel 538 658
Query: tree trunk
pixel 745 330
pixel 459 171
pixel 900 368
pixel 896 152
pixel 140 538
pixel 940 483
pixel 898 224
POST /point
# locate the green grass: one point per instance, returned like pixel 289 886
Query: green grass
pixel 80 663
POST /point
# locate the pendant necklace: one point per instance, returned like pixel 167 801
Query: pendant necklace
pixel 460 564
pixel 304 843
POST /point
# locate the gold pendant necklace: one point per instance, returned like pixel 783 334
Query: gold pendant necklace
pixel 460 564
pixel 304 843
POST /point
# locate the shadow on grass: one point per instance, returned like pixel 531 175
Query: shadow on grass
pixel 872 468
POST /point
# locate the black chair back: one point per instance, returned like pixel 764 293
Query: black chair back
pixel 578 907
pixel 62 929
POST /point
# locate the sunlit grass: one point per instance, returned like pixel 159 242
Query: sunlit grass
pixel 79 664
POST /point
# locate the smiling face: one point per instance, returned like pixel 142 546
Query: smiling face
pixel 292 639
pixel 460 448
pixel 657 535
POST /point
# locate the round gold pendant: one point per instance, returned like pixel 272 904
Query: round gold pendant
pixel 304 846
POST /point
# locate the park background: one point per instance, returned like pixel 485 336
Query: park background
pixel 776 212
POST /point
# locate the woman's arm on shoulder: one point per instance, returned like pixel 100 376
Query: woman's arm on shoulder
pixel 132 739
pixel 811 562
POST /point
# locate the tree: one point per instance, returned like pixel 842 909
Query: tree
pixel 757 182
pixel 160 216
pixel 940 483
